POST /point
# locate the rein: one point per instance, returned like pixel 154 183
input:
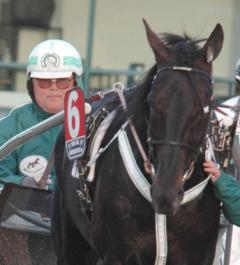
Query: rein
pixel 149 169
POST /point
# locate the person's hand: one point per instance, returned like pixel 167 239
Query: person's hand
pixel 29 182
pixel 43 183
pixel 211 168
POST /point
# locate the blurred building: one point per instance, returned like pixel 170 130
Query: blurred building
pixel 118 41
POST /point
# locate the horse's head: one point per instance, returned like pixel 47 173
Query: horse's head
pixel 180 104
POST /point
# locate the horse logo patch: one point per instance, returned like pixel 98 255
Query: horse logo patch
pixel 33 166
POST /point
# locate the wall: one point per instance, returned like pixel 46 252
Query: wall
pixel 10 100
pixel 120 36
pixel 120 39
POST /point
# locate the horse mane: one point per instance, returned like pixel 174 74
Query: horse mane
pixel 170 39
pixel 186 48
pixel 136 97
pixel 137 104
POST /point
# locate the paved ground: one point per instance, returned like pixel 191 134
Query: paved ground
pixel 19 248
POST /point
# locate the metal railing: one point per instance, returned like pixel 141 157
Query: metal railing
pixel 101 79
pixel 224 87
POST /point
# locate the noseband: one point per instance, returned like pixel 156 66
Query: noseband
pixel 179 143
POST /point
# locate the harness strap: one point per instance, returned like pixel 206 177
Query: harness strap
pixel 92 161
pixel 97 140
pixel 43 181
pixel 161 239
pixel 139 179
pixel 143 186
pixel 195 191
pixel 174 143
pixel 131 166
pixel 147 164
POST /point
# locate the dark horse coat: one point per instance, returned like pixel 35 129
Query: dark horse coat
pixel 170 109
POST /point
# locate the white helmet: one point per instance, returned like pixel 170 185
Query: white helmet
pixel 54 59
pixel 237 70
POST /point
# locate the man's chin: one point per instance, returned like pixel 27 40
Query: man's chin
pixel 53 109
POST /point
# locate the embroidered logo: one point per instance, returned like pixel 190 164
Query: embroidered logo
pixel 50 60
pixel 33 165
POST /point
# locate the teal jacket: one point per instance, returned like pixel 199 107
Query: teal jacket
pixel 227 190
pixel 18 120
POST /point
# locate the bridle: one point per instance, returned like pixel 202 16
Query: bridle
pixel 206 109
pixel 184 69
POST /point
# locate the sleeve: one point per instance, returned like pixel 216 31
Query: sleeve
pixel 8 170
pixel 9 164
pixel 227 190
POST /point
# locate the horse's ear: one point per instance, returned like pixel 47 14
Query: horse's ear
pixel 157 46
pixel 214 44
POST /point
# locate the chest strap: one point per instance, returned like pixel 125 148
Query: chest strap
pixel 143 186
pixel 139 179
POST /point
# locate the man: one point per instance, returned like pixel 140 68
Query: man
pixel 54 67
pixel 227 190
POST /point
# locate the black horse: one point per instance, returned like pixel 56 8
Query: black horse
pixel 170 110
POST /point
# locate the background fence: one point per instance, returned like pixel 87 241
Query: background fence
pixel 102 79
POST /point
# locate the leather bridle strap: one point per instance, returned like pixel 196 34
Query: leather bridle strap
pixel 174 143
pixel 186 69
pixel 182 69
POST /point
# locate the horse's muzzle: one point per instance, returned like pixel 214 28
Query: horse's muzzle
pixel 166 201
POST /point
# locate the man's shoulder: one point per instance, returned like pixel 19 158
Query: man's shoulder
pixel 25 107
pixel 18 110
pixel 18 115
pixel 16 121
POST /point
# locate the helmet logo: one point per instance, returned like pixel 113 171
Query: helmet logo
pixel 50 60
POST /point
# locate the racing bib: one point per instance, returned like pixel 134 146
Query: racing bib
pixel 74 122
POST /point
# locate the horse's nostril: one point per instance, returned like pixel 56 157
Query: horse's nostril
pixel 166 202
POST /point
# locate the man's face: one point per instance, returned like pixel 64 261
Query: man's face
pixel 50 93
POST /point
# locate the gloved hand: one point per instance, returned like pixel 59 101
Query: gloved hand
pixel 29 182
pixel 32 168
pixel 43 184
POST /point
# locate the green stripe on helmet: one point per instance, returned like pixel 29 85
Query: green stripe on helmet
pixel 68 60
pixel 33 60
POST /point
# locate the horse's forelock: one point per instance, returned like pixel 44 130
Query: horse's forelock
pixel 173 39
pixel 185 47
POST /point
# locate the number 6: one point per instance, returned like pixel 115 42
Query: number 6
pixel 73 114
